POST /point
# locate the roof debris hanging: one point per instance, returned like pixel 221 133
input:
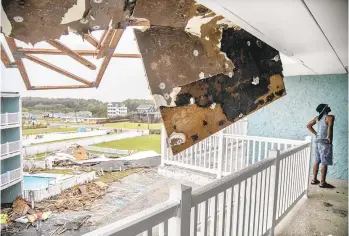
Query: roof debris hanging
pixel 204 72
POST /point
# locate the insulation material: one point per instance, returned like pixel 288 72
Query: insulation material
pixel 204 72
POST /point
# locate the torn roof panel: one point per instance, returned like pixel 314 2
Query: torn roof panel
pixel 206 74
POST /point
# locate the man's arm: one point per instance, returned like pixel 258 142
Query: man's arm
pixel 330 123
pixel 310 126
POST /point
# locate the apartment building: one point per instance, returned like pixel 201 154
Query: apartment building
pixel 116 109
pixel 11 154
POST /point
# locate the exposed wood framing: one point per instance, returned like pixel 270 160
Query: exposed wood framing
pixel 105 44
pixel 55 43
pixel 13 47
pixel 59 87
pixel 5 58
pixel 102 38
pixel 91 40
pixel 80 52
pixel 114 42
pixel 57 69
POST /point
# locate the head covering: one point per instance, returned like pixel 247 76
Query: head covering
pixel 321 109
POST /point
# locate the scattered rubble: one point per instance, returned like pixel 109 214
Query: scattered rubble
pixel 75 199
pixel 20 213
pixel 71 225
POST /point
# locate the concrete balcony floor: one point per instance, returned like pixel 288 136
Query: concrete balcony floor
pixel 325 212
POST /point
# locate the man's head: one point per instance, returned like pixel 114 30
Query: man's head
pixel 323 109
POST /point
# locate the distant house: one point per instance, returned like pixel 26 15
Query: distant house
pixel 145 111
pixel 145 108
pixel 116 109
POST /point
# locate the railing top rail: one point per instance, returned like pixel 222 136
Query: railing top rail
pixel 293 150
pixel 212 189
pixel 12 113
pixel 140 222
pixel 258 138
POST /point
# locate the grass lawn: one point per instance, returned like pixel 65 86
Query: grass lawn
pixel 129 125
pixel 141 143
pixel 49 130
pixel 110 177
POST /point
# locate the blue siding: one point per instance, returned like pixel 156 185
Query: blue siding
pixel 10 135
pixel 288 116
pixel 10 164
pixel 9 104
pixel 9 194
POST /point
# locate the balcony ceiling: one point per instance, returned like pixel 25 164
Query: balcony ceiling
pixel 313 34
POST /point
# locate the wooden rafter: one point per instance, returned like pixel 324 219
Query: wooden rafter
pixel 13 47
pixel 105 44
pixel 102 38
pixel 57 69
pixel 114 42
pixel 80 52
pixel 55 43
pixel 89 38
pixel 4 57
pixel 59 87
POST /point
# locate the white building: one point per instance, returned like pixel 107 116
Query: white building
pixel 116 109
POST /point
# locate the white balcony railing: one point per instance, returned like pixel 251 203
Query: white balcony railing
pixel 10 148
pixel 251 201
pixel 11 176
pixel 9 119
pixel 226 152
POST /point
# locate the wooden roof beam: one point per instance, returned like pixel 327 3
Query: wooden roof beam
pixel 80 52
pixel 13 48
pixel 114 42
pixel 89 38
pixel 55 43
pixel 6 59
pixel 59 87
pixel 102 51
pixel 57 69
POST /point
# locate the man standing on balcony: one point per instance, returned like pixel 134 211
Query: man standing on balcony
pixel 323 143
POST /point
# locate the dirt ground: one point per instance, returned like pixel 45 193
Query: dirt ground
pixel 325 212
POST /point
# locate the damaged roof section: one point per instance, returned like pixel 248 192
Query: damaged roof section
pixel 33 21
pixel 204 72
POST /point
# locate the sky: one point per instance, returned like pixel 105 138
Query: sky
pixel 124 78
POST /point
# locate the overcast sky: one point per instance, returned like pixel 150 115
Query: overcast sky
pixel 124 78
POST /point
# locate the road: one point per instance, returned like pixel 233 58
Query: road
pixel 52 147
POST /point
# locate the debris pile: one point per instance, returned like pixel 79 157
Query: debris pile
pixel 20 212
pixel 70 225
pixel 75 199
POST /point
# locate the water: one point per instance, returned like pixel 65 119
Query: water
pixel 35 182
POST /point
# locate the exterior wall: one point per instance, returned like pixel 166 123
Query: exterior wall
pixel 11 103
pixel 10 135
pixel 288 116
pixel 10 164
pixel 9 194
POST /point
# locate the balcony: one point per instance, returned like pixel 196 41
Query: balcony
pixel 10 178
pixel 10 149
pixel 10 120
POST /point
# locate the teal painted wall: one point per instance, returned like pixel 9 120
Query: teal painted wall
pixel 10 164
pixel 9 104
pixel 288 116
pixel 10 135
pixel 9 194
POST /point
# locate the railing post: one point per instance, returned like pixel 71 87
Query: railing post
pixel 6 118
pixel 179 225
pixel 220 153
pixel 163 145
pixel 275 154
pixel 308 139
